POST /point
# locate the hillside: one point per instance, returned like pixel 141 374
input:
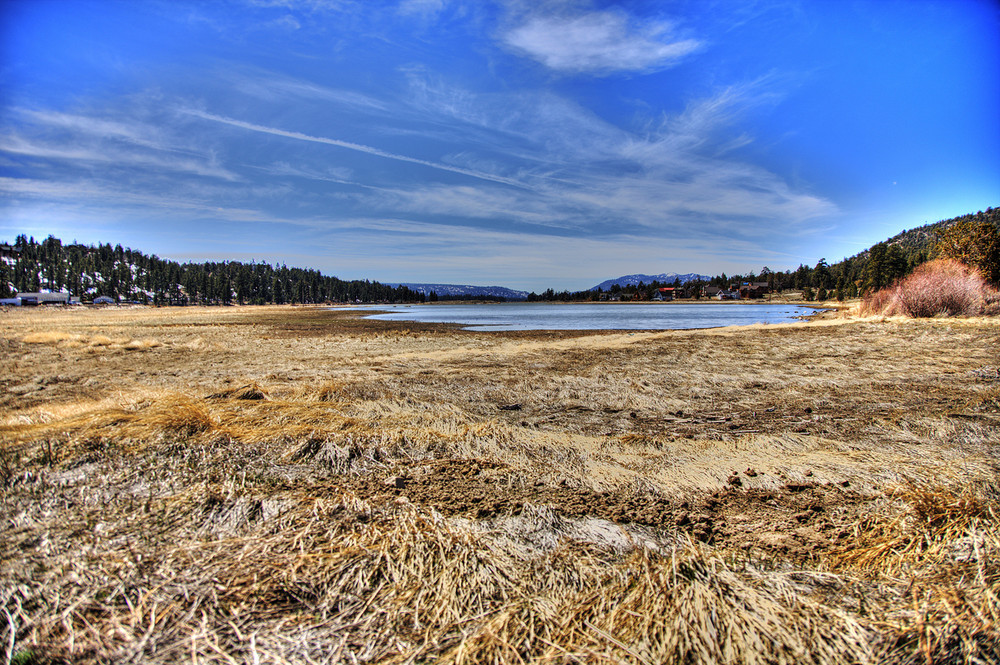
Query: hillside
pixel 917 244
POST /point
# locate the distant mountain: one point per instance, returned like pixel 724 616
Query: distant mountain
pixel 634 280
pixel 456 290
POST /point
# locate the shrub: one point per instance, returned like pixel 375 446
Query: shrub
pixel 942 287
pixel 878 302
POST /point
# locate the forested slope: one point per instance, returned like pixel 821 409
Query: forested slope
pixel 130 275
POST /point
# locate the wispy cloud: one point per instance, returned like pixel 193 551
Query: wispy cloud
pixel 516 181
pixel 678 172
pixel 276 88
pixel 113 158
pixel 599 42
pixel 127 204
pixel 126 142
pixel 339 175
pixel 129 131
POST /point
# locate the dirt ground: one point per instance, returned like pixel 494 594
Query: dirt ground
pixel 147 452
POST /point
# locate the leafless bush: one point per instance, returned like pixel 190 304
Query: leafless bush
pixel 942 287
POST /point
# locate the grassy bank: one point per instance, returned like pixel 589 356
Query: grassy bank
pixel 298 485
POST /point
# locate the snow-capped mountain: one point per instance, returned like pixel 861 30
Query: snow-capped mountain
pixel 634 280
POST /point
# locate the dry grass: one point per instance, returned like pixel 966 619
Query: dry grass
pixel 74 341
pixel 946 542
pixel 287 485
pixel 51 338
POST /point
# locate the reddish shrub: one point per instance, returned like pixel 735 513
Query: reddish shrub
pixel 942 287
pixel 877 302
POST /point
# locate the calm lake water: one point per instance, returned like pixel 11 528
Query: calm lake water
pixel 606 316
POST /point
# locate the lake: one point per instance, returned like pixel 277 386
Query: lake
pixel 583 316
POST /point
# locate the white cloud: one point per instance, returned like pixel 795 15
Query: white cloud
pixel 150 145
pixel 502 205
pixel 598 42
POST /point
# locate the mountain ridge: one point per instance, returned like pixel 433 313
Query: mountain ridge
pixel 457 290
pixel 635 279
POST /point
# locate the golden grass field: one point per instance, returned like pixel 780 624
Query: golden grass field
pixel 299 485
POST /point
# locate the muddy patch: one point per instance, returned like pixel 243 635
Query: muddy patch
pixel 797 521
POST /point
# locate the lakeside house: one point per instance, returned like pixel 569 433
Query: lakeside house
pixel 750 290
pixel 665 293
pixel 743 291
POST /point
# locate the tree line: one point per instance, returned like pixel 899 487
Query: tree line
pixel 128 275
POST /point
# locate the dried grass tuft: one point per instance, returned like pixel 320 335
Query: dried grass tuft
pixel 251 391
pixel 67 340
pixel 183 418
pixel 51 337
pixel 933 518
pixel 683 607
pixel 329 391
pixel 142 344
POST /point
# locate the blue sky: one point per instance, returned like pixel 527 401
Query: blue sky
pixel 526 144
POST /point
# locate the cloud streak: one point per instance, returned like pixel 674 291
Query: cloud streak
pixel 299 136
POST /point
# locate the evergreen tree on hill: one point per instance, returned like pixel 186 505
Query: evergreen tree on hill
pixel 975 242
pixel 129 275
